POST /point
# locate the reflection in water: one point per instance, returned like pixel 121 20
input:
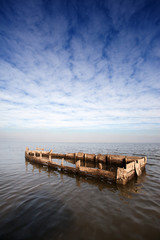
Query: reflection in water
pixel 61 175
pixel 72 163
pixel 132 187
pixel 26 164
pixel 39 203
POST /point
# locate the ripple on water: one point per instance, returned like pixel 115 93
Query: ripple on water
pixel 39 203
pixel 40 215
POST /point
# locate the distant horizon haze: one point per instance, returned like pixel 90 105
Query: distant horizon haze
pixel 92 137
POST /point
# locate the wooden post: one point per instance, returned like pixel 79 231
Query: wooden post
pixel 78 164
pixel 145 159
pixel 138 168
pixel 50 159
pixel 40 154
pixel 109 159
pixel 34 154
pixel 124 162
pixel 100 165
pixel 62 161
pixel 27 150
pixel 120 176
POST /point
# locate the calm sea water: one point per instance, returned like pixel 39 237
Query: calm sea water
pixel 37 203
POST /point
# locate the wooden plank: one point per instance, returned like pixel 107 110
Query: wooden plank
pixel 80 170
pixel 120 173
pixel 98 172
pixel 70 155
pixel 138 168
pixel 115 159
pixel 130 166
pixel 101 158
pixel 89 157
pixel 61 155
pixel 54 155
pixel 79 155
pixel 123 175
pixel 131 158
pixel 141 162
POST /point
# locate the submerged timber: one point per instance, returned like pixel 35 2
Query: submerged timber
pixel 127 167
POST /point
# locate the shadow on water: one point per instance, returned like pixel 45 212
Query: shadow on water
pixel 132 187
pixel 39 215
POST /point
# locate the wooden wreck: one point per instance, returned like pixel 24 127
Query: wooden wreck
pixel 126 166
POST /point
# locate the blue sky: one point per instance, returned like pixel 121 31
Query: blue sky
pixel 89 69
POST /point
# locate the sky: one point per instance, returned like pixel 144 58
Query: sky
pixel 84 70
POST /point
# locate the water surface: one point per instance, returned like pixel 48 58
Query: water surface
pixel 38 203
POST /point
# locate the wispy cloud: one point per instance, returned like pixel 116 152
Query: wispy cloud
pixel 88 65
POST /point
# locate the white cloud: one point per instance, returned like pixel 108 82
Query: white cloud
pixel 49 86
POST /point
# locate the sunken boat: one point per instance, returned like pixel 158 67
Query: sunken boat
pixel 116 168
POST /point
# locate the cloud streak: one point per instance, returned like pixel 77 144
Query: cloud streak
pixel 88 65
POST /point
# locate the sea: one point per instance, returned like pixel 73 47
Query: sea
pixel 40 203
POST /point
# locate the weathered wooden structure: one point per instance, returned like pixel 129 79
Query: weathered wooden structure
pixel 126 166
